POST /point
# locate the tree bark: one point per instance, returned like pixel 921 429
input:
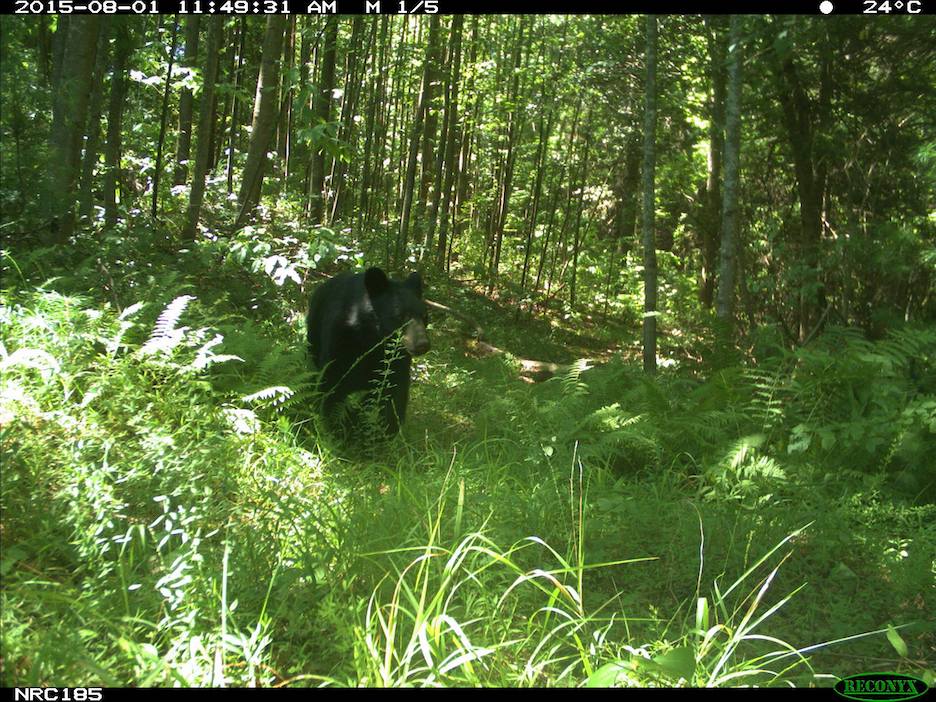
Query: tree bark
pixel 163 117
pixel 266 110
pixel 69 114
pixel 93 129
pixel 711 218
pixel 729 228
pixel 513 98
pixel 417 130
pixel 322 109
pixel 798 111
pixel 118 92
pixel 232 133
pixel 648 210
pixel 576 241
pixel 186 101
pixel 453 140
pixel 430 127
pixel 205 122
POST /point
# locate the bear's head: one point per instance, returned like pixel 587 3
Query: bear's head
pixel 399 306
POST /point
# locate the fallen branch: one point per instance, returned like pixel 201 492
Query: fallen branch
pixel 531 371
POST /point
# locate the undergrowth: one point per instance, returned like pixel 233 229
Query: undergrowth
pixel 173 513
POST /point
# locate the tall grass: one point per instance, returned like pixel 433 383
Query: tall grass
pixel 174 515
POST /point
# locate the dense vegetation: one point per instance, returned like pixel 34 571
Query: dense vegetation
pixel 745 204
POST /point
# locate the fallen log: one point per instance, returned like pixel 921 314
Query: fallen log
pixel 531 370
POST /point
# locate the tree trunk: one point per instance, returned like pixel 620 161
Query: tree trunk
pixel 59 42
pixel 581 208
pixel 374 143
pixel 711 218
pixel 561 248
pixel 545 129
pixel 44 47
pixel 322 102
pixel 232 133
pixel 554 205
pixel 430 126
pixel 186 101
pixel 69 114
pixel 354 68
pixel 266 110
pixel 510 159
pixel 205 122
pixel 648 211
pixel 417 130
pixel 283 136
pixel 115 107
pixel 454 138
pixel 445 153
pixel 729 229
pixel 93 129
pixel 163 117
pixel 462 189
pixel 797 112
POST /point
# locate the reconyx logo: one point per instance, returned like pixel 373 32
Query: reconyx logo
pixel 880 686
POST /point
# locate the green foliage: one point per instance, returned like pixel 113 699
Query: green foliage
pixel 174 512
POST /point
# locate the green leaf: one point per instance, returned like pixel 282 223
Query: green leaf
pixel 678 663
pixel 607 675
pixel 897 642
pixel 10 556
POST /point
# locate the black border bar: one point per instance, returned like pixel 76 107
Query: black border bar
pixel 233 8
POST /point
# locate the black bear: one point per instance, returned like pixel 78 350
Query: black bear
pixel 352 330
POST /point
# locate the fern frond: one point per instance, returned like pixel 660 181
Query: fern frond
pixel 166 336
pixel 274 394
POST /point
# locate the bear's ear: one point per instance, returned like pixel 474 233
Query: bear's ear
pixel 414 282
pixel 376 281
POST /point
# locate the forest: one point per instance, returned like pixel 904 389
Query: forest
pixel 672 422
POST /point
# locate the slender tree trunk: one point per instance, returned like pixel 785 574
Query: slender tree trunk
pixel 513 120
pixel 157 170
pixel 553 206
pixel 454 138
pixel 283 136
pixel 374 143
pixel 711 219
pixel 205 121
pixel 69 114
pixel 421 108
pixel 44 47
pixel 648 219
pixel 545 128
pixel 430 127
pixel 581 208
pixel 460 221
pixel 729 230
pixel 323 100
pixel 59 42
pixel 445 154
pixel 797 111
pixel 561 249
pixel 115 107
pixel 354 68
pixel 232 133
pixel 266 110
pixel 93 129
pixel 186 101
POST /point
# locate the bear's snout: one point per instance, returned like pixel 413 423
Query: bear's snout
pixel 416 340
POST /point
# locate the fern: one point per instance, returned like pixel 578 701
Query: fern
pixel 768 390
pixel 166 334
pixel 205 357
pixel 273 395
